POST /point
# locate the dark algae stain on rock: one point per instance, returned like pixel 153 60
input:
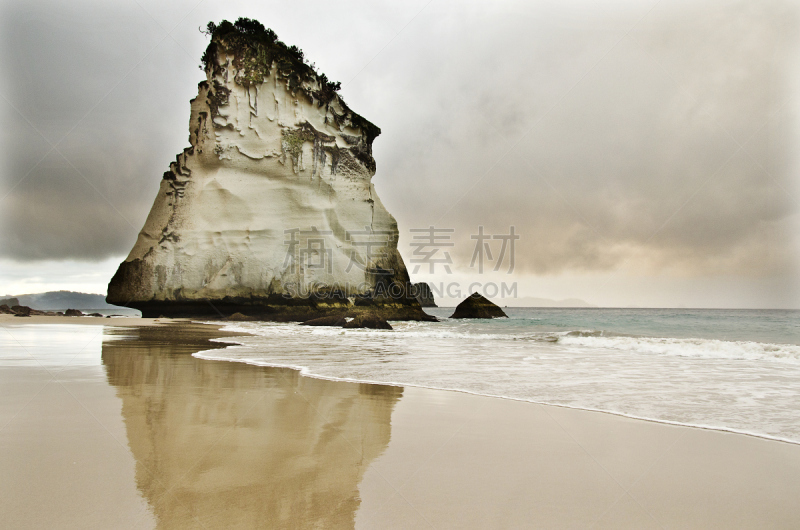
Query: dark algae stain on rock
pixel 477 306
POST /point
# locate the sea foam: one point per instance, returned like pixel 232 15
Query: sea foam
pixel 744 386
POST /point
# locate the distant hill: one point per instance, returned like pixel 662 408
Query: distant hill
pixel 529 301
pixel 525 301
pixel 63 300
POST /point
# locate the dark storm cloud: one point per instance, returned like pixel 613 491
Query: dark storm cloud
pixel 85 126
pixel 670 147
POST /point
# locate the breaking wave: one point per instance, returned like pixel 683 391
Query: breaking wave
pixel 701 348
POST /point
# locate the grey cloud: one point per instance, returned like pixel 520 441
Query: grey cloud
pixel 639 164
pixel 65 84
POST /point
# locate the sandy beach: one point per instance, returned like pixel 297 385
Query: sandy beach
pixel 111 423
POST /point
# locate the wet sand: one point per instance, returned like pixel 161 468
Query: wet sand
pixel 11 320
pixel 120 427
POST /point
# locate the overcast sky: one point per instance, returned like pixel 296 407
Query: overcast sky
pixel 645 152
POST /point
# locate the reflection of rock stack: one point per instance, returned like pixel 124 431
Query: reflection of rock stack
pixel 271 211
pixel 227 445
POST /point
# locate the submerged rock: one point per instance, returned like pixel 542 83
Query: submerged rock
pixel 370 321
pixel 332 320
pixel 271 210
pixel 477 306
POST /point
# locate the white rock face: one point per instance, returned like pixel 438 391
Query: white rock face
pixel 272 200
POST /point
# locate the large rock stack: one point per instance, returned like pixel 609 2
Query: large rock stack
pixel 271 212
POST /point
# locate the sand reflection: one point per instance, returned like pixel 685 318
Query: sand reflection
pixel 227 445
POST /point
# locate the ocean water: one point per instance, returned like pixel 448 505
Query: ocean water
pixel 734 370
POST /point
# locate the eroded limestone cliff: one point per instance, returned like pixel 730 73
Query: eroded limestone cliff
pixel 271 210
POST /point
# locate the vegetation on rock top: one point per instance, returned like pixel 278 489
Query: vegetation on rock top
pixel 255 49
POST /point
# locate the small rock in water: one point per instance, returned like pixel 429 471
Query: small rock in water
pixel 240 317
pixel 73 313
pixel 21 310
pixel 424 294
pixel 477 306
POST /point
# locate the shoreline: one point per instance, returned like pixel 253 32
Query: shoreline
pixel 306 372
pixel 123 321
pixel 128 322
pixel 209 440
